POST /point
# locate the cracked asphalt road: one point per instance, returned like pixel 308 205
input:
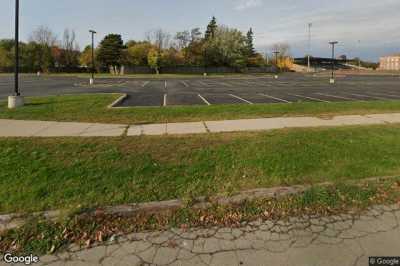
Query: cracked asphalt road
pixel 337 240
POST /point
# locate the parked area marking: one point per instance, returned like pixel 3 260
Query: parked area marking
pixel 309 98
pixel 239 98
pixel 204 100
pixel 275 98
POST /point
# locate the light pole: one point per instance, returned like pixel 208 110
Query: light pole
pixel 276 53
pixel 93 64
pixel 332 80
pixel 16 100
pixel 309 47
pixel 359 57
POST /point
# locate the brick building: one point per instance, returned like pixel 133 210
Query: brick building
pixel 391 62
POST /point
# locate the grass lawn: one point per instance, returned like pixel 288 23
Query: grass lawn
pixel 39 174
pixel 93 108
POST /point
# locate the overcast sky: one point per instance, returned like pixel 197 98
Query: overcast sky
pixel 375 23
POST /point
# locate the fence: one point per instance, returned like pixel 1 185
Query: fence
pixel 197 70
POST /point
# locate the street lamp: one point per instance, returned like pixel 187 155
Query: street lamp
pixel 332 80
pixel 309 47
pixel 16 100
pixel 276 53
pixel 359 55
pixel 93 64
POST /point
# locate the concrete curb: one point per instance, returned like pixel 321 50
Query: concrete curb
pixel 118 101
pixel 12 221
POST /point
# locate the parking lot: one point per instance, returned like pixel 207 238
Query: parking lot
pixel 288 88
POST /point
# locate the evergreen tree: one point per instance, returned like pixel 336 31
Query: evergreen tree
pixel 110 50
pixel 211 28
pixel 250 43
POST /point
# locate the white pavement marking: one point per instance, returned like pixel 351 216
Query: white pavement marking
pixel 204 84
pixel 239 98
pixel 336 96
pixel 165 85
pixel 309 98
pixel 145 83
pixel 385 94
pixel 185 84
pixel 225 84
pixel 367 96
pixel 165 100
pixel 204 100
pixel 275 98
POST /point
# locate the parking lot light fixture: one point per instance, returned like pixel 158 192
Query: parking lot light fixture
pixel 93 63
pixel 276 63
pixel 16 100
pixel 332 80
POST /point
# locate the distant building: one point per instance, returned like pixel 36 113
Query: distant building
pixel 391 62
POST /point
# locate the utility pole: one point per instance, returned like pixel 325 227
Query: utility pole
pixel 93 63
pixel 16 100
pixel 332 80
pixel 309 47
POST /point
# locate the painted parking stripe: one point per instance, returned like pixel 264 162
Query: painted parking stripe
pixel 239 98
pixel 337 97
pixel 185 84
pixel 309 98
pixel 367 96
pixel 165 85
pixel 145 83
pixel 204 100
pixel 385 94
pixel 204 84
pixel 275 98
pixel 165 100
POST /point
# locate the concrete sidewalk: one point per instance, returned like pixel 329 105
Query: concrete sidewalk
pixel 19 128
pixel 345 240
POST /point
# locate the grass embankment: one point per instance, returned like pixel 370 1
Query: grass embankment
pixel 42 174
pixel 93 108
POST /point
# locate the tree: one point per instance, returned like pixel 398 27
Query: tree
pixel 44 36
pixel 172 57
pixel 85 58
pixel 153 59
pixel 227 48
pixel 6 53
pixel 183 38
pixel 109 53
pixel 69 56
pixel 159 38
pixel 137 53
pixel 250 43
pixel 42 40
pixel 211 29
pixel 195 35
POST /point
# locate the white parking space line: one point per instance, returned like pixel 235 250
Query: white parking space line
pixel 309 98
pixel 204 84
pixel 224 84
pixel 145 83
pixel 275 98
pixel 367 96
pixel 165 85
pixel 185 84
pixel 239 98
pixel 385 94
pixel 204 100
pixel 165 100
pixel 337 97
